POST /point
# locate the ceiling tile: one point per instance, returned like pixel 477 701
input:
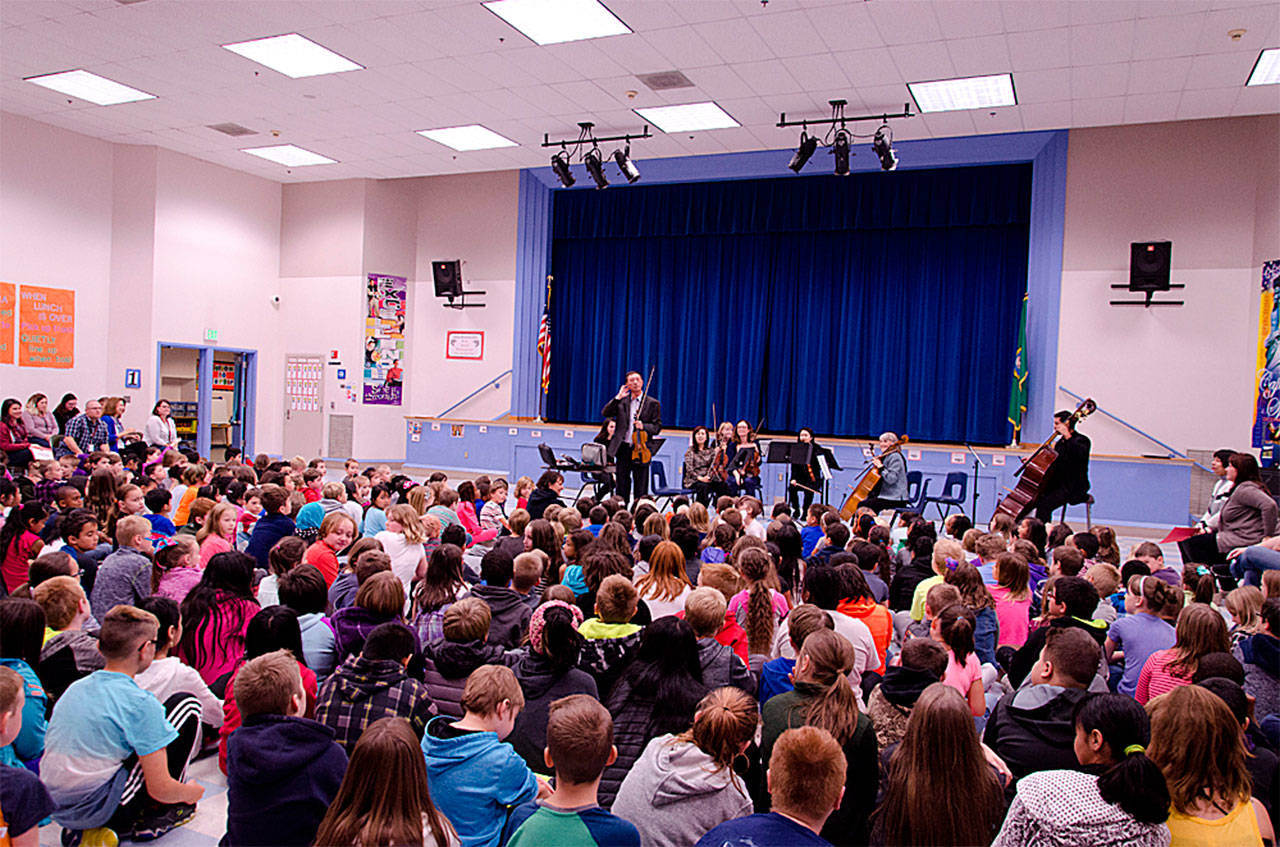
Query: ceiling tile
pixel 980 56
pixel 682 47
pixel 1257 100
pixel 1102 11
pixel 847 27
pixel 1259 22
pixel 818 73
pixel 870 67
pixel 1027 15
pixel 968 20
pixel 905 21
pixel 1045 115
pixel 1099 81
pixel 768 77
pixel 1098 44
pixel 1219 70
pixel 1177 35
pixel 921 62
pixel 1101 111
pixel 1043 86
pixel 1207 103
pixel 1158 75
pixel 788 33
pixel 1148 108
pixel 1034 51
pixel 734 40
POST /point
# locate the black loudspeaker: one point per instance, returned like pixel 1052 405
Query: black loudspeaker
pixel 1149 265
pixel 448 278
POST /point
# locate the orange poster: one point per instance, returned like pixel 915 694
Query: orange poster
pixel 46 327
pixel 6 323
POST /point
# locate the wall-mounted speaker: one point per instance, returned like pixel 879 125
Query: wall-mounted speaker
pixel 1149 265
pixel 448 278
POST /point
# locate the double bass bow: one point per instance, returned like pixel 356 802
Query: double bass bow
pixel 867 483
pixel 1036 466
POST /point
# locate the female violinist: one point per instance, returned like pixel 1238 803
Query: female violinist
pixel 698 460
pixel 744 464
pixel 720 485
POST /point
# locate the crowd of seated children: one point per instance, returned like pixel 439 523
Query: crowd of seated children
pixel 325 631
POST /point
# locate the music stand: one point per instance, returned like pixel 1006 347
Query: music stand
pixel 789 453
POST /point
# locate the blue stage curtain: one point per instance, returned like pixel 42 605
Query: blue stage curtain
pixel 852 305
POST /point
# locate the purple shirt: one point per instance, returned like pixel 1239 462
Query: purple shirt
pixel 1139 636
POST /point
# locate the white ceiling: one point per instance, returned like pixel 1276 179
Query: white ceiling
pixel 438 63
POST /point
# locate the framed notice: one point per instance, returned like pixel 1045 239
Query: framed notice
pixel 46 327
pixel 464 344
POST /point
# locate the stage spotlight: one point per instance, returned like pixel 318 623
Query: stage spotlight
pixel 883 147
pixel 808 144
pixel 560 164
pixel 595 167
pixel 840 149
pixel 628 167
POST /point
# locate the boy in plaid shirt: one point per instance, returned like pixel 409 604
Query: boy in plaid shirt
pixel 374 685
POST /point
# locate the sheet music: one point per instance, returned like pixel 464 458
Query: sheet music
pixel 822 467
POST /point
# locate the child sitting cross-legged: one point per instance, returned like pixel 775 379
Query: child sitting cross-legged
pixel 283 770
pixel 115 756
pixel 474 776
pixel 579 748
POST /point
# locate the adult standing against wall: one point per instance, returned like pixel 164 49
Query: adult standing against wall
pixel 633 411
pixel 160 430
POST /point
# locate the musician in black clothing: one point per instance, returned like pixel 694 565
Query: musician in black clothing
pixel 1067 480
pixel 806 480
pixel 630 414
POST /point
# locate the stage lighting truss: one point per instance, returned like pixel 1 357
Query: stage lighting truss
pixel 839 138
pixel 586 148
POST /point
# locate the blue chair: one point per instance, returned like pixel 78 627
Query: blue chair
pixel 953 494
pixel 658 487
pixel 917 491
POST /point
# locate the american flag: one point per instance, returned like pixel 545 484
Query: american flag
pixel 544 349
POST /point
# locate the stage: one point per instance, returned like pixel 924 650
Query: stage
pixel 1132 491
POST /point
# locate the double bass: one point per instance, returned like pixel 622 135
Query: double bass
pixel 1036 466
pixel 867 483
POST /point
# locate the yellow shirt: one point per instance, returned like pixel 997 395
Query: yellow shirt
pixel 922 591
pixel 1237 829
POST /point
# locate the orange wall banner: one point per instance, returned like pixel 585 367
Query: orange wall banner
pixel 46 327
pixel 7 290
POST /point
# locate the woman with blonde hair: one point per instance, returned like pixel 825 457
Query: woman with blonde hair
pixel 395 808
pixel 683 785
pixel 666 585
pixel 404 541
pixel 1196 742
pixel 822 697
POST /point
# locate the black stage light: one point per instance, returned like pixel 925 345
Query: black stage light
pixel 808 144
pixel 883 147
pixel 595 167
pixel 840 149
pixel 560 164
pixel 628 167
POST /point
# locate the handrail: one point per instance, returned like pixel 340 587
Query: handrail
pixel 1151 438
pixel 492 382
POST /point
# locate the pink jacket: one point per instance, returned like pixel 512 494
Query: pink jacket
pixel 467 514
pixel 212 545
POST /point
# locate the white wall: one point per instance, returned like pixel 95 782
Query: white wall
pixel 55 230
pixel 1183 374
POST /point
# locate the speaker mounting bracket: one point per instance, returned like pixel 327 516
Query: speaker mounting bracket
pixel 1148 302
pixel 462 301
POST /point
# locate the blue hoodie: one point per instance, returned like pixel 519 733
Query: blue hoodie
pixel 282 774
pixel 474 779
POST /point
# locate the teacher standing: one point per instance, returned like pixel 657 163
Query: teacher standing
pixel 632 414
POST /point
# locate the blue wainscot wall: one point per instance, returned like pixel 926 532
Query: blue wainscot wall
pixel 1127 491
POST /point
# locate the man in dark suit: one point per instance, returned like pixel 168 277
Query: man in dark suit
pixel 630 415
pixel 1067 480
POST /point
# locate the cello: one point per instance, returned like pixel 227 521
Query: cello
pixel 867 483
pixel 1035 467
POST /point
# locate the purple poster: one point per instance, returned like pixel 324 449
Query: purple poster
pixel 384 339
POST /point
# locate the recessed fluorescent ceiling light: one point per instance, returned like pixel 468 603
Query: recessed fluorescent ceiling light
pixel 91 87
pixel 293 56
pixel 557 21
pixel 975 92
pixel 1266 71
pixel 289 155
pixel 690 117
pixel 473 137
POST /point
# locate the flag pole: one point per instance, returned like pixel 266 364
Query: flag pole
pixel 546 316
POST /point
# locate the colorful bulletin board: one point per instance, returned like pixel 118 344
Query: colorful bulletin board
pixel 1266 418
pixel 384 339
pixel 7 296
pixel 224 376
pixel 46 327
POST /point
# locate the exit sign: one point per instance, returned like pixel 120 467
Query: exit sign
pixel 210 335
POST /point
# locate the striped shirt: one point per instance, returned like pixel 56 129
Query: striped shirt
pixel 1157 678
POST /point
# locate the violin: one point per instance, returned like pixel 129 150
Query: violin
pixel 640 452
pixel 867 484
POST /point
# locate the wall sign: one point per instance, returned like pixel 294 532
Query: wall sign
pixel 385 298
pixel 8 294
pixel 464 344
pixel 132 377
pixel 46 327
